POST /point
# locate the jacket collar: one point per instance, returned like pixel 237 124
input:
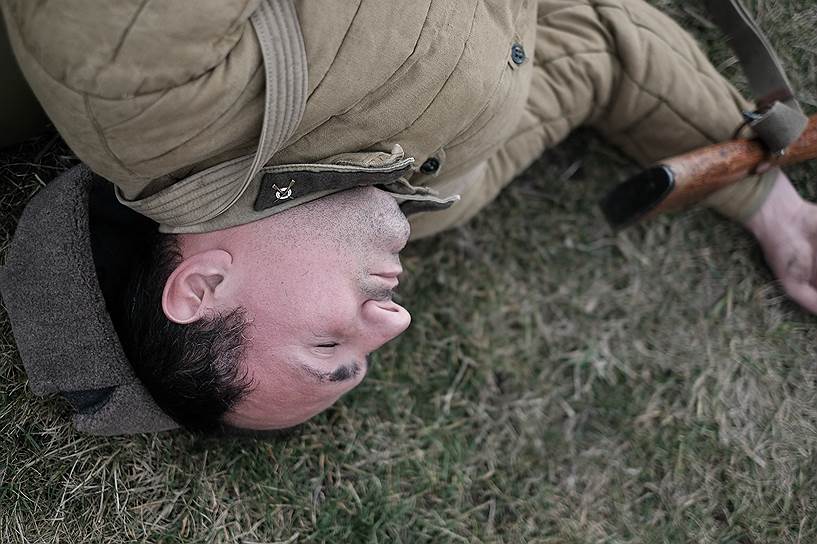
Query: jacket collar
pixel 185 206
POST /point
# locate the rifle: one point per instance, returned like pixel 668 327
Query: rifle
pixel 689 178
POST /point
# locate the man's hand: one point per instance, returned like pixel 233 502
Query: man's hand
pixel 786 227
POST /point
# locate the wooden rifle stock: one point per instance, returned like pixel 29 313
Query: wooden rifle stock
pixel 689 178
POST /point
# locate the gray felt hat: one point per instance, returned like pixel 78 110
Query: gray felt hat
pixel 74 245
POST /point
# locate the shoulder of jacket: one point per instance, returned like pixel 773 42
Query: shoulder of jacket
pixel 121 49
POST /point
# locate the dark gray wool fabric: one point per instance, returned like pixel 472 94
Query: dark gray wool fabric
pixel 59 318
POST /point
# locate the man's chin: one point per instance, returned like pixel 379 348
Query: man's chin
pixel 393 221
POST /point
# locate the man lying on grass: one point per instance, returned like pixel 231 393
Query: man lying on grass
pixel 272 279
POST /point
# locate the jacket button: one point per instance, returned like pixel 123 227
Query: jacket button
pixel 430 166
pixel 518 55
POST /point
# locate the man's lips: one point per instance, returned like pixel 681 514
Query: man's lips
pixel 390 277
pixel 390 273
pixel 389 281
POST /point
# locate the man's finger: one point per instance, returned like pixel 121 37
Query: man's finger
pixel 803 294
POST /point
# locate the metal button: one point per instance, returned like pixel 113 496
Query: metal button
pixel 518 55
pixel 430 166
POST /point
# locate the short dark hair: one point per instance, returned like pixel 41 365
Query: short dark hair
pixel 193 371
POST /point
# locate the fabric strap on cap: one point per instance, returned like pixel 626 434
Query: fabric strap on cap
pixel 282 110
pixel 780 121
pixel 209 193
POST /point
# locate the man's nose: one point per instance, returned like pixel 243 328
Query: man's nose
pixel 383 320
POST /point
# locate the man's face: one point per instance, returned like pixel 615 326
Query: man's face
pixel 316 282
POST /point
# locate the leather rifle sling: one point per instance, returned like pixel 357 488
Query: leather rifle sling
pixel 779 120
pixel 777 123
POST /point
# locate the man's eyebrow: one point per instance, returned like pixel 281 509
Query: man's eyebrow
pixel 341 373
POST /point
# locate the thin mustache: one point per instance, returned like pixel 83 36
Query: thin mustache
pixel 378 292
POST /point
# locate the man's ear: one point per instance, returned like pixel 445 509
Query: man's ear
pixel 192 287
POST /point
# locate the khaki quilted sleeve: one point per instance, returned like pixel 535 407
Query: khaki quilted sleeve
pixel 141 90
pixel 630 71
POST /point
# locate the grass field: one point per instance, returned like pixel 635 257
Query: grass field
pixel 559 384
